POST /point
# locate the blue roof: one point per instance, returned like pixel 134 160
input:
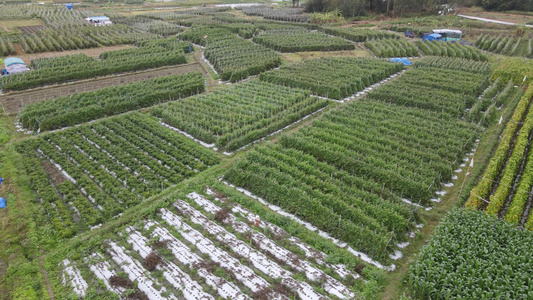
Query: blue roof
pixel 435 35
pixel 13 61
pixel 2 202
pixel 99 18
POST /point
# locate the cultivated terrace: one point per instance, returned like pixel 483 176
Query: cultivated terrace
pixel 255 151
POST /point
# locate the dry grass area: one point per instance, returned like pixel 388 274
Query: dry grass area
pixel 12 25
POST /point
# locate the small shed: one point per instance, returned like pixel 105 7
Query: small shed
pixel 15 65
pixel 99 21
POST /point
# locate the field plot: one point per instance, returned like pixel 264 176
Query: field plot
pixel 357 34
pixel 88 106
pixel 486 109
pixel 438 48
pixel 439 88
pixel 505 190
pixel 85 175
pixel 232 57
pixel 391 48
pixel 335 78
pixel 474 256
pixel 45 71
pixel 207 247
pixel 358 165
pixel 6 46
pixel 241 114
pixel 300 39
pixel 80 37
pixel 506 45
pixel 281 14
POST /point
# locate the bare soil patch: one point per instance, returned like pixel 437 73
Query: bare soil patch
pixel 54 174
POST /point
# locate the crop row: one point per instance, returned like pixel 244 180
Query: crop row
pixel 391 48
pixel 437 89
pixel 80 37
pixel 238 115
pixel 511 193
pixel 344 144
pixel 98 170
pixel 299 39
pixel 6 46
pixel 57 16
pixel 454 64
pixel 507 45
pixel 336 78
pixel 88 106
pixel 65 71
pixel 512 172
pixel 485 110
pixel 278 14
pixel 482 192
pixel 451 50
pixel 357 34
pixel 148 24
pixel 474 256
pixel 232 57
pixel 355 166
pixel 196 248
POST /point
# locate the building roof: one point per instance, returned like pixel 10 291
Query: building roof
pixel 446 31
pixel 435 35
pixel 13 61
pixel 98 18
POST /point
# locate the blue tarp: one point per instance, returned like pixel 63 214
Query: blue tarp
pixel 404 61
pixel 432 37
pixel 13 61
pixel 2 203
pixel 68 6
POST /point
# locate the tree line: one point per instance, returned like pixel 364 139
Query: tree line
pixel 354 8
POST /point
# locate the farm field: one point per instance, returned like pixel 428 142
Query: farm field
pixel 338 77
pixel 257 151
pixel 88 106
pixel 239 115
pixel 80 66
pixel 300 39
pixel 84 175
pixel 13 103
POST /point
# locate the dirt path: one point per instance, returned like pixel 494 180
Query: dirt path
pixel 46 280
pixel 491 20
pixel 14 102
pixel 18 49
